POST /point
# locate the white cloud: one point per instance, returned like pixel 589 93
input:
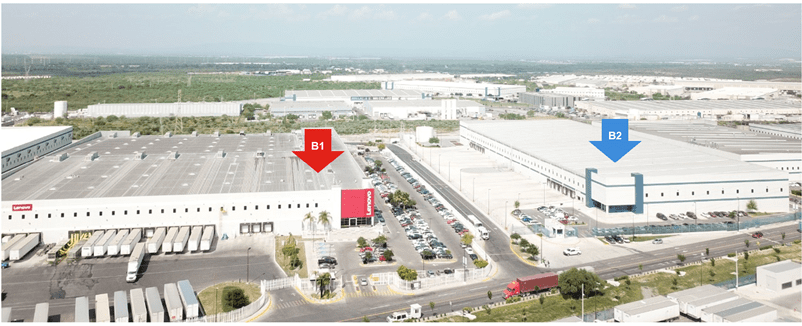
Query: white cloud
pixel 534 5
pixel 201 9
pixel 425 16
pixel 751 6
pixel 593 21
pixel 694 18
pixel 452 15
pixel 337 10
pixel 679 8
pixel 361 13
pixel 665 19
pixel 369 13
pixel 495 15
pixel 626 6
pixel 626 18
pixel 385 15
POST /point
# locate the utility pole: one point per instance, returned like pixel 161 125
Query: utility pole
pixel 583 301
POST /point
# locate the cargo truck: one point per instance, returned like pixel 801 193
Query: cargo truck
pixel 6 315
pixel 207 238
pixel 188 298
pixel 116 242
pixel 167 245
pixel 23 247
pixel 155 306
pixel 523 286
pixel 155 242
pixel 103 244
pixel 82 310
pixel 102 313
pixel 40 313
pixel 134 262
pixel 194 238
pixel 180 241
pixel 86 250
pixel 7 246
pixel 120 307
pixel 139 313
pixel 75 251
pixel 175 310
pixel 127 246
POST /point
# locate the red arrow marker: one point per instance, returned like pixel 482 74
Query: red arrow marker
pixel 317 151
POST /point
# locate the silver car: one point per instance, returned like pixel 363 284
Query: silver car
pixel 657 241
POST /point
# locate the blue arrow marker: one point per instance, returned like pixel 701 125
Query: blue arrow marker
pixel 615 139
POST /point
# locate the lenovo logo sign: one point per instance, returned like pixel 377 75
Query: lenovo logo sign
pixel 357 203
pixel 21 207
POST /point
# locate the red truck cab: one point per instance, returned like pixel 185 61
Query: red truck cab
pixel 529 284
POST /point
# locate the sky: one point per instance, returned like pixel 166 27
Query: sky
pixel 482 31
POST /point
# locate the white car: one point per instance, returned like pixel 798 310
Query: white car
pixel 572 252
pixel 705 215
pixel 469 251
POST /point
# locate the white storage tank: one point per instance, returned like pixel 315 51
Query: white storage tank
pixel 424 133
pixel 60 109
pixel 102 313
pixel 167 245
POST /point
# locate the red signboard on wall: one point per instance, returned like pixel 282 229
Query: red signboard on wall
pixel 357 203
pixel 21 207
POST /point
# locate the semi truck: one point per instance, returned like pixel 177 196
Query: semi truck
pixel 103 244
pixel 120 307
pixel 116 242
pixel 207 238
pixel 127 246
pixel 155 242
pixel 40 313
pixel 180 241
pixel 102 313
pixel 523 286
pixel 82 310
pixel 167 245
pixel 86 250
pixel 10 243
pixel 175 310
pixel 194 238
pixel 155 306
pixel 188 298
pixel 139 313
pixel 23 247
pixel 134 262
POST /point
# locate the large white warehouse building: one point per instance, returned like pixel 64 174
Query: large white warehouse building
pixel 239 184
pixel 189 109
pixel 658 175
pixel 441 109
pixel 21 145
pixel 441 88
pixel 635 110
pixel 351 96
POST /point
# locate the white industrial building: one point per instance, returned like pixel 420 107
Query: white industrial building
pixel 21 145
pixel 584 92
pixel 188 109
pixel 736 93
pixel 311 109
pixel 635 110
pixel 239 184
pixel 352 96
pixel 391 77
pixel 424 133
pixel 665 90
pixel 658 175
pixel 548 100
pixel 411 109
pixel 786 130
pixel 477 90
pixel 779 277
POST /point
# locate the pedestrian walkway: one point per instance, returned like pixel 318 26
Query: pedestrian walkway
pixel 289 304
pixel 383 293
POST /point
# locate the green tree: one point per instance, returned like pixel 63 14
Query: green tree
pixel 541 299
pixel 312 220
pixel 361 242
pixel 751 205
pixel 235 298
pixel 681 258
pixel 322 282
pixel 467 239
pixel 515 236
pixel 381 147
pixel 407 274
pixel 326 115
pixel 523 243
pixel 707 251
pixel 489 295
pixel 434 140
pixel 746 255
pixel 713 262
pixel 640 266
pixel 746 242
pixel 532 250
pixel 517 204
pixel 378 164
pixel 431 305
pixel 380 240
pixel 324 218
pixel 571 283
pixel 365 319
pixel 480 263
pixel 388 255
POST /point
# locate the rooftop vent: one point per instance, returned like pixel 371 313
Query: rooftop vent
pixel 168 134
pixel 135 135
pixel 113 135
pixel 220 154
pixel 172 156
pixel 259 153
pixel 91 156
pixel 140 156
pixel 61 157
pixel 194 134
pixel 216 134
pixel 268 133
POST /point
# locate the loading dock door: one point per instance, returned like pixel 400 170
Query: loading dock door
pixel 244 228
pixel 256 227
pixel 267 227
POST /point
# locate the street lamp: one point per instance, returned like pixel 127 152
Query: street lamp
pixel 473 191
pixel 460 179
pixel 505 212
pixel 488 202
pixel 438 162
pixel 248 267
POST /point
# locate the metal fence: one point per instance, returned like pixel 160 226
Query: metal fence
pixel 599 315
pixel 236 315
pixel 280 283
pixel 742 280
pixel 729 225
pixel 459 276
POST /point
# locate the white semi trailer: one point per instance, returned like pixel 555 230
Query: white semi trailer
pixel 127 246
pixel 103 244
pixel 180 241
pixel 155 242
pixel 40 313
pixel 194 238
pixel 139 313
pixel 86 250
pixel 155 306
pixel 10 243
pixel 207 238
pixel 120 307
pixel 167 245
pixel 23 247
pixel 102 313
pixel 134 262
pixel 82 310
pixel 116 242
pixel 188 298
pixel 175 310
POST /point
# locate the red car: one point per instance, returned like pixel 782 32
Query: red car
pixel 381 258
pixel 366 249
pixel 757 235
pixel 463 232
pixel 451 221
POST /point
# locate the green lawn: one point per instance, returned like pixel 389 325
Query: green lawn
pixel 284 262
pixel 641 238
pixel 212 306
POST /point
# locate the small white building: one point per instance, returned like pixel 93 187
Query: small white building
pixel 780 276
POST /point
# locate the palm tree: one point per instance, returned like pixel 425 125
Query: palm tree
pixel 322 282
pixel 311 219
pixel 324 219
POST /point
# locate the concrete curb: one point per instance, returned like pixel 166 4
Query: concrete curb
pixel 264 310
pixel 336 298
pixel 522 258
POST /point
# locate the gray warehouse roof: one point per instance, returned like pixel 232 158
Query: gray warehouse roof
pixel 197 170
pixel 419 103
pixel 718 137
pixel 624 106
pixel 14 137
pixel 649 304
pixel 567 144
pixel 303 94
pixel 290 106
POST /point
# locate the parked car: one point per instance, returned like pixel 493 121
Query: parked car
pixel 327 260
pixel 757 235
pixel 572 252
pixel 662 217
pixel 448 271
pixel 657 241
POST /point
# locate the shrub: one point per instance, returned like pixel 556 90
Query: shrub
pixel 732 254
pixel 765 247
pixel 777 250
pixel 620 278
pixel 713 262
pixel 541 299
pixel 480 263
pixel 681 258
pixel 797 241
pixel 235 298
pixel 467 309
pixel 515 236
pixel 746 256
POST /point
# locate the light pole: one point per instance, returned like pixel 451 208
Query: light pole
pixel 460 179
pixel 248 267
pixel 438 162
pixel 505 212
pixel 473 191
pixel 544 194
pixel 488 202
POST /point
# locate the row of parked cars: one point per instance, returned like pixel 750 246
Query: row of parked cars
pixel 373 253
pixel 708 215
pixel 558 214
pixel 612 239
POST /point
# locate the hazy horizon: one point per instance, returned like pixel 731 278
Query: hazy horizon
pixel 476 31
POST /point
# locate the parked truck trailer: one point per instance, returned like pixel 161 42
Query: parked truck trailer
pixel 121 307
pixel 207 238
pixel 134 262
pixel 103 244
pixel 167 245
pixel 527 285
pixel 139 313
pixel 23 247
pixel 155 242
pixel 10 243
pixel 180 241
pixel 86 249
pixel 82 310
pixel 102 313
pixel 188 298
pixel 175 310
pixel 194 238
pixel 155 306
pixel 116 242
pixel 40 313
pixel 127 246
